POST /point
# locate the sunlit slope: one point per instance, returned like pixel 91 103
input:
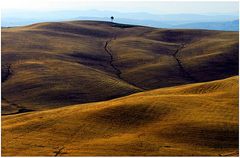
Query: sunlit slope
pixel 173 57
pixel 195 119
pixel 48 65
pixel 57 64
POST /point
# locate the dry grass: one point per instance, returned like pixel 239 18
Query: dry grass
pixel 59 64
pixel 195 119
pixel 207 56
pixel 65 63
pixel 53 68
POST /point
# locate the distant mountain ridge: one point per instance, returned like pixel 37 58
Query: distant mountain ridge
pixel 196 21
pixel 227 26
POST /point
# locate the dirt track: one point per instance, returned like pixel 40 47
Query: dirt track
pixel 185 73
pixel 117 71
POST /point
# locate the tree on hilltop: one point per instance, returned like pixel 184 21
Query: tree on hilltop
pixel 112 18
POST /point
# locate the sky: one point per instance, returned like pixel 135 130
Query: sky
pixel 154 6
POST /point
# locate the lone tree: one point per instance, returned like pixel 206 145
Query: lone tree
pixel 112 18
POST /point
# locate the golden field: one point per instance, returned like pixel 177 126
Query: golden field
pixel 89 88
pixel 194 119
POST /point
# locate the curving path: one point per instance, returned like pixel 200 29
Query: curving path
pixel 7 73
pixel 183 71
pixel 117 71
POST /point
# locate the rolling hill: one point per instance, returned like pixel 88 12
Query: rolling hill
pixel 192 119
pixel 50 65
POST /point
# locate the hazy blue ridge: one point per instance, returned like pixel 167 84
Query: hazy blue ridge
pixel 227 26
pixel 190 21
